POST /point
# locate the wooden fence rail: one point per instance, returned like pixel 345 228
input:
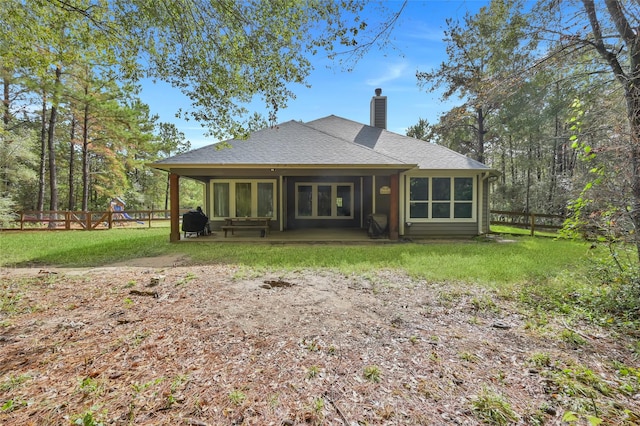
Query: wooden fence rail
pixel 68 220
pixel 64 219
pixel 531 221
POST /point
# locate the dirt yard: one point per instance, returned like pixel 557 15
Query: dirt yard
pixel 159 343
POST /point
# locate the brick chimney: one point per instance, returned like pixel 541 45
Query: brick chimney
pixel 379 110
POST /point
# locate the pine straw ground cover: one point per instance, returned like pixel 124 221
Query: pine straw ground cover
pixel 221 345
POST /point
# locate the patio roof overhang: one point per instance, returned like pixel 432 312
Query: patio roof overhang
pixel 199 171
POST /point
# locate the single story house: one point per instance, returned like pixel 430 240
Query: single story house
pixel 334 173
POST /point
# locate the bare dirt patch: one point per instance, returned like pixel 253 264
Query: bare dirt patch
pixel 165 261
pixel 223 345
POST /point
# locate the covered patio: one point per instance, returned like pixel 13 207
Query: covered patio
pixel 307 236
pixel 333 174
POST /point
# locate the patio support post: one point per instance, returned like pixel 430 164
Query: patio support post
pixel 174 196
pixel 394 207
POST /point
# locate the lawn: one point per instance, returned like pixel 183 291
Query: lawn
pixel 466 332
pixel 520 259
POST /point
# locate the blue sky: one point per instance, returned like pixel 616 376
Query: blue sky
pixel 417 45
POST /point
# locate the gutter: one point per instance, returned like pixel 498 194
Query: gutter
pixel 170 166
pixel 484 177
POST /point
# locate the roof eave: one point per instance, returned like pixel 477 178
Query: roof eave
pixel 169 166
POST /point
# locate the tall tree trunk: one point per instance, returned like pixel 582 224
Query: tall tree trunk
pixel 6 103
pixel 503 166
pixel 481 132
pixel 556 160
pixel 51 145
pixel 512 166
pixel 628 75
pixel 528 191
pixel 6 97
pixel 85 155
pixel 632 94
pixel 42 172
pixel 72 164
pixel 538 159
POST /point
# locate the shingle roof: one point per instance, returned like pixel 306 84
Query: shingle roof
pixel 293 143
pixel 330 140
pixel 404 148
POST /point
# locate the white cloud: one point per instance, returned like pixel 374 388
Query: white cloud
pixel 393 72
pixel 426 33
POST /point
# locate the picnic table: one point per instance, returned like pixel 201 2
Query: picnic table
pixel 236 223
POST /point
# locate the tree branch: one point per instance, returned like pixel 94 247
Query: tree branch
pixel 620 21
pixel 361 49
pixel 598 43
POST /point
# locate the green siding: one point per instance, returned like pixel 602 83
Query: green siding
pixel 446 229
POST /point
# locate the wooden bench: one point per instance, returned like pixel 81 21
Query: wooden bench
pixel 239 223
pixel 264 229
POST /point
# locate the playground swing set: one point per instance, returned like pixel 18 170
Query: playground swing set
pixel 117 205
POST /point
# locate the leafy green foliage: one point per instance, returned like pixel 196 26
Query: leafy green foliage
pixel 421 130
pixel 586 394
pixel 572 338
pixel 87 420
pixel 615 161
pixel 540 360
pixel 493 408
pixel 17 167
pixel 9 303
pixel 572 418
pixel 372 373
pixel 237 397
pixel 313 372
pixel 483 52
pixel 12 404
pixel 74 132
pixel 223 54
pixel 468 356
pixel 13 382
pixel 91 386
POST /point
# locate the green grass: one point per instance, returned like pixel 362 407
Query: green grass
pixel 80 248
pixel 523 260
pixel 512 230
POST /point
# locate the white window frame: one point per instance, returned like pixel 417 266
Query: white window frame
pixel 452 201
pixel 334 195
pixel 232 195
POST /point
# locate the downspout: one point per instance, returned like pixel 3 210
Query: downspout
pixel 401 212
pixel 481 209
pixel 361 202
pixel 394 207
pixel 281 203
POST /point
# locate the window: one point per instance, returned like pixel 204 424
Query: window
pixel 243 198
pixel 463 197
pixel 304 195
pixel 441 198
pixel 221 199
pixel 419 198
pixel 324 200
pixel 441 195
pixel 343 200
pixel 265 199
